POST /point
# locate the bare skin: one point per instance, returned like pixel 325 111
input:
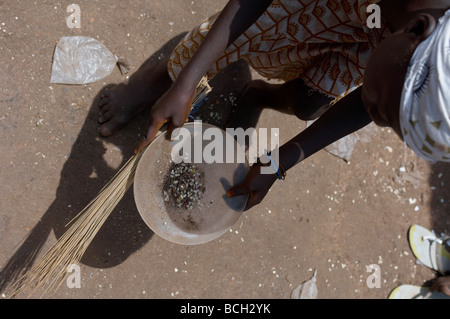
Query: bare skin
pixel 378 100
pixel 154 89
pixel 146 86
pixel 410 23
pixel 120 104
pixel 293 98
pixel 442 284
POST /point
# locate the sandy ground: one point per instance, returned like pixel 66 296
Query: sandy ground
pixel 329 215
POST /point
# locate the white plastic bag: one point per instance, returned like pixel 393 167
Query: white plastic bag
pixel 344 147
pixel 307 290
pixel 82 60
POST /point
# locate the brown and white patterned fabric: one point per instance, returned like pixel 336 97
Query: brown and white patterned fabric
pixel 425 104
pixel 324 42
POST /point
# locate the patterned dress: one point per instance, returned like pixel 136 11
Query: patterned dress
pixel 324 42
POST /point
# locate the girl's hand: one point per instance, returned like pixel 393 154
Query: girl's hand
pixel 172 108
pixel 255 184
pixel 175 105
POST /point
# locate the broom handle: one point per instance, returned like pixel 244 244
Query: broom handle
pixel 161 131
pixel 203 89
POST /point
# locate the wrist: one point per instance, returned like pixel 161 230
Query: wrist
pixel 269 165
pixel 187 81
pixel 291 154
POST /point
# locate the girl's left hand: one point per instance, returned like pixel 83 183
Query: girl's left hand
pixel 255 184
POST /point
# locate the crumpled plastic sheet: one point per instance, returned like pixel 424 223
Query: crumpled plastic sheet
pixel 83 60
pixel 344 147
pixel 306 290
pixel 411 175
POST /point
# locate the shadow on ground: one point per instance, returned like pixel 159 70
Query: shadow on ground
pixel 86 172
pixel 439 182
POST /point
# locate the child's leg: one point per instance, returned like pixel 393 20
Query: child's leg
pixel 292 97
pixel 121 103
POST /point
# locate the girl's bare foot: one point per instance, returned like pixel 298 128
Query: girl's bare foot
pixel 250 106
pixel 121 103
pixel 293 97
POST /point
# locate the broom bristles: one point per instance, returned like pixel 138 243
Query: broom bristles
pixel 70 247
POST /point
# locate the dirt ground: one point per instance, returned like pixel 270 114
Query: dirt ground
pixel 329 215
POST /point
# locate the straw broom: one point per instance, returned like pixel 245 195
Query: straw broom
pixel 51 271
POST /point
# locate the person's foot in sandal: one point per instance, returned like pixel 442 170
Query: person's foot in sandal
pixel 416 292
pixel 442 285
pixel 431 250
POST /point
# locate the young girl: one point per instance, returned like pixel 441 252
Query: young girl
pixel 394 75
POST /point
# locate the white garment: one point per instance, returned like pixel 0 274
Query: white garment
pixel 425 103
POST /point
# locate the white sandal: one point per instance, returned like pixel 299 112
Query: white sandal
pixel 434 253
pixel 416 292
pixel 430 250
